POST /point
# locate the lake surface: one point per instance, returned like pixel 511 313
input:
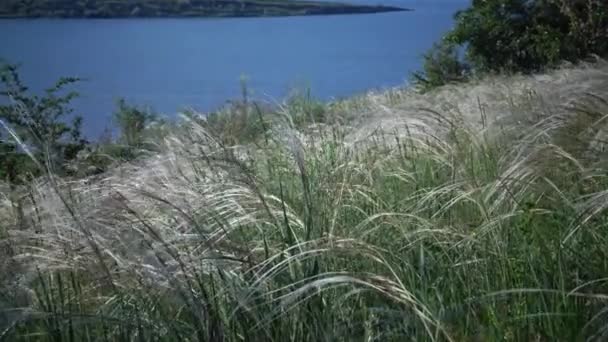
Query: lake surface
pixel 172 64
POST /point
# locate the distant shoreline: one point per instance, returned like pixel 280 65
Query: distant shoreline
pixel 106 9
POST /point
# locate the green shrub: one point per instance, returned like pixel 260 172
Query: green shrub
pixel 305 109
pixel 442 65
pixel 516 36
pixel 36 127
pixel 528 36
pixel 132 122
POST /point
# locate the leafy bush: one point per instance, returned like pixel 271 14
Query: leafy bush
pixel 132 122
pixel 36 131
pixel 245 121
pixel 442 65
pixel 305 109
pixel 36 127
pixel 527 36
pixel 519 36
pixel 138 131
pixel 238 122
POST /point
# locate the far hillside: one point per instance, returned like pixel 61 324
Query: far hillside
pixel 177 8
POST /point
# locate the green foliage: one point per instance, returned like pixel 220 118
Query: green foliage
pixel 139 130
pixel 528 36
pixel 442 65
pixel 517 36
pixel 132 122
pixel 304 109
pixel 40 124
pixel 244 121
pixel 238 122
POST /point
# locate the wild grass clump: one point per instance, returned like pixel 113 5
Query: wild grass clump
pixel 426 217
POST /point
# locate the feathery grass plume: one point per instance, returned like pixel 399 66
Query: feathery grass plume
pixel 474 212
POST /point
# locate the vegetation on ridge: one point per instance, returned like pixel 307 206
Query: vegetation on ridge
pixel 178 8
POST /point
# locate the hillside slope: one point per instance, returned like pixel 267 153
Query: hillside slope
pixel 472 213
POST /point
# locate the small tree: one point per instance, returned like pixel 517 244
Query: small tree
pixel 41 124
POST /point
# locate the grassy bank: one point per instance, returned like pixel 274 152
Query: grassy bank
pixel 469 213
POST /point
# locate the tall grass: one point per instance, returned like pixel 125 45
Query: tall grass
pixel 466 214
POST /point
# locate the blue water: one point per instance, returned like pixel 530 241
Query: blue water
pixel 172 64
